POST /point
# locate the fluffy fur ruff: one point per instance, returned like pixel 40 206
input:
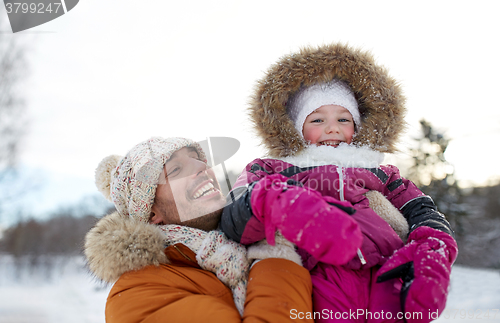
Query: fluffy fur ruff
pixel 380 98
pixel 119 244
pixel 389 213
pixel 344 155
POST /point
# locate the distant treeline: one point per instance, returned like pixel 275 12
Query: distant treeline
pixel 61 235
pixel 478 234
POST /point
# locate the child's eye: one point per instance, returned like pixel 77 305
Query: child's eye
pixel 316 121
pixel 344 120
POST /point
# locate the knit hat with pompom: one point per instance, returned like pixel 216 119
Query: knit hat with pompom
pixel 130 182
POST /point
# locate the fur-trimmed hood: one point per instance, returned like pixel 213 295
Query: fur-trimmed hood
pixel 119 244
pixel 380 98
pixel 344 155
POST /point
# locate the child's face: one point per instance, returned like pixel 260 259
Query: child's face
pixel 329 125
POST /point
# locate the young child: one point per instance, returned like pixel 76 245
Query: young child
pixel 327 115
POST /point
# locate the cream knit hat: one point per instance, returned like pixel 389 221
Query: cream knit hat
pixel 308 99
pixel 130 182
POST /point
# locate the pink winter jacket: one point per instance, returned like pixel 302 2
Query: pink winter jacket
pixel 324 240
pixel 351 285
pixel 345 184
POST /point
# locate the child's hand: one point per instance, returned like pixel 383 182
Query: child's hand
pixel 320 225
pixel 424 265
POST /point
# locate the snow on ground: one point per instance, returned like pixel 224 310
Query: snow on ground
pixel 63 293
pixel 474 296
pixel 67 294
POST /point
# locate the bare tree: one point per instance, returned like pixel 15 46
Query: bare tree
pixel 13 65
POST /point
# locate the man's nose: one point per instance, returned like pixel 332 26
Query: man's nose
pixel 197 167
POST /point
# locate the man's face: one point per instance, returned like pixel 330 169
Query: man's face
pixel 188 193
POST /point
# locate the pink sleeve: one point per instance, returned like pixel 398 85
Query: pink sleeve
pixel 254 171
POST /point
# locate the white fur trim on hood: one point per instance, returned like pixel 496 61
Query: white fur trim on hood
pixel 344 155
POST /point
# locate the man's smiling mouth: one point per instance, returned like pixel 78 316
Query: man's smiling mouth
pixel 205 189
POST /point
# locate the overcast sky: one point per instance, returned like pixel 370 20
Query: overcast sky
pixel 109 74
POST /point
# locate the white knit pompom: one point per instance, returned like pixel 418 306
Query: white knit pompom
pixel 103 174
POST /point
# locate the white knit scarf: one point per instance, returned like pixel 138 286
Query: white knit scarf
pixel 217 254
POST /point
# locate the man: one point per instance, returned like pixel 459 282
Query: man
pixel 161 248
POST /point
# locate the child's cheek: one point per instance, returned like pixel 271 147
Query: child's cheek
pixel 348 134
pixel 312 134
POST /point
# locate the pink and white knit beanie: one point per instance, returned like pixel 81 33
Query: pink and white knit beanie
pixel 130 182
pixel 308 99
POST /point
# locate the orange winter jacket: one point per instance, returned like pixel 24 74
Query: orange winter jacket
pixel 157 284
pixel 278 291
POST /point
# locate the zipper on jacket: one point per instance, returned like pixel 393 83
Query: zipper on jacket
pixel 361 257
pixel 340 171
pixel 341 182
